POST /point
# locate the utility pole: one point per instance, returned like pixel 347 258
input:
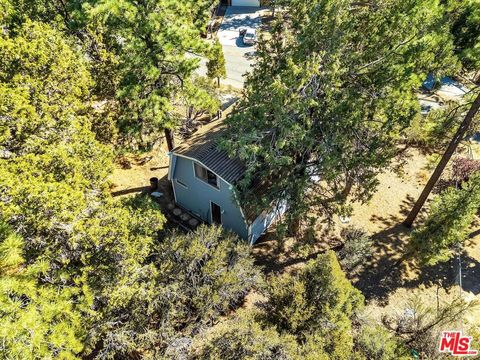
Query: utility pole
pixel 459 136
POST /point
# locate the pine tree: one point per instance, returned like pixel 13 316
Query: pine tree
pixel 151 40
pixel 38 320
pixel 78 240
pixel 200 97
pixel 216 63
pixel 447 224
pixel 329 96
pixel 137 54
pixel 449 151
pixel 465 27
pixel 319 301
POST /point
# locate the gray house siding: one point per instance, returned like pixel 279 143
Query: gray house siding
pixel 195 195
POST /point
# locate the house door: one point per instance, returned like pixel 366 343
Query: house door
pixel 216 213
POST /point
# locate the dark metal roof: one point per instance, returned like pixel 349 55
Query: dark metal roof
pixel 203 146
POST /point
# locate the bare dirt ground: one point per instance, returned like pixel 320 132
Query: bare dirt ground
pixel 137 178
pixel 387 280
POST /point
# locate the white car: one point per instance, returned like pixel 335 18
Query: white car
pixel 249 37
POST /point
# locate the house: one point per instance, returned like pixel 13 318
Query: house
pixel 203 178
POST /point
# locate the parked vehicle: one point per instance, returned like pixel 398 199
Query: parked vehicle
pixel 248 36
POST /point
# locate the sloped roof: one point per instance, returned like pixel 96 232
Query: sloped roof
pixel 203 146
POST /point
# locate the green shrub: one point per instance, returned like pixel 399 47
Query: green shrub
pixel 243 338
pixel 318 300
pixel 448 222
pixel 357 248
pixel 376 342
pixel 434 130
pixel 189 282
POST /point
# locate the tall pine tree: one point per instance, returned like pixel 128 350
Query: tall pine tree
pixel 328 97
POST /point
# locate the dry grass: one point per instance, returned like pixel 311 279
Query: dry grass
pixel 388 280
pixel 138 176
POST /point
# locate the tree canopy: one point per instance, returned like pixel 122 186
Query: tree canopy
pixel 86 275
pixel 448 222
pixel 216 62
pixel 465 27
pixel 140 55
pixel 187 284
pixel 318 302
pixel 151 40
pixel 54 194
pixel 330 93
pixel 38 320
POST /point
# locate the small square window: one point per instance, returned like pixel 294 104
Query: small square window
pixel 206 175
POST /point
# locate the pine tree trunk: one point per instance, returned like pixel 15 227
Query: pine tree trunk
pixel 459 136
pixel 169 138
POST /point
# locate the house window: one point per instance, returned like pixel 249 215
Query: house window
pixel 206 175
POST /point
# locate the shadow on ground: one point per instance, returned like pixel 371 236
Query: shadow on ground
pixel 390 268
pixel 275 257
pixel 140 189
pixel 233 21
pixel 239 43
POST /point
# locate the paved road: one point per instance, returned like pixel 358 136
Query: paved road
pixel 238 57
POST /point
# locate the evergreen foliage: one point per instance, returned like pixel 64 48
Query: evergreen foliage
pixel 150 39
pixel 319 301
pixel 330 94
pixel 376 342
pixel 465 27
pixel 38 320
pixel 83 275
pixel 356 250
pixel 200 97
pixel 448 222
pixel 434 130
pixel 216 63
pixel 244 338
pixel 137 54
pixel 44 87
pixel 77 240
pixel 189 281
